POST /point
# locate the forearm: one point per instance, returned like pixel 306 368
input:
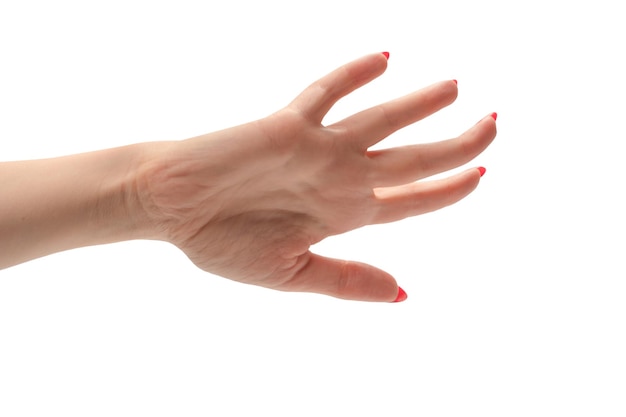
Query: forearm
pixel 52 205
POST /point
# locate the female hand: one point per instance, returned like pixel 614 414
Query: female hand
pixel 246 203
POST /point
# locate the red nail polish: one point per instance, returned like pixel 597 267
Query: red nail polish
pixel 482 170
pixel 456 82
pixel 401 296
pixel 494 115
pixel 386 54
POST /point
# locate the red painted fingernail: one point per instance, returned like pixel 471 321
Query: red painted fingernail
pixel 456 82
pixel 386 54
pixel 494 115
pixel 401 296
pixel 482 170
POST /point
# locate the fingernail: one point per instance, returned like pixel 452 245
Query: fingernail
pixel 494 115
pixel 482 170
pixel 386 54
pixel 401 296
pixel 456 82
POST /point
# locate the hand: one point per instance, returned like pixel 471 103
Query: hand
pixel 246 203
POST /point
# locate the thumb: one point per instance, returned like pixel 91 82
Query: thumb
pixel 346 279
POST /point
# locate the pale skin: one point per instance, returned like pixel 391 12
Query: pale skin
pixel 247 202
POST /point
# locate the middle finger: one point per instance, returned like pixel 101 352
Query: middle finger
pixel 410 163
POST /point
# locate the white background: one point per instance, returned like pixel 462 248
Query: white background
pixel 516 294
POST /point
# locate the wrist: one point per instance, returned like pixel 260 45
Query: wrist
pixel 116 213
pixel 143 189
pixel 124 202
